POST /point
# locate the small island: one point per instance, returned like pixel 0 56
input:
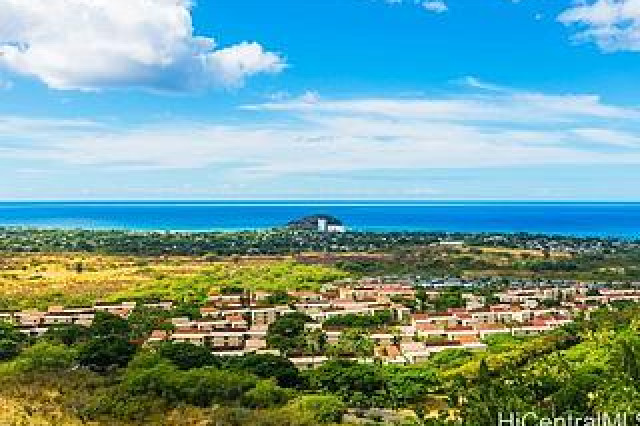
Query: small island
pixel 318 222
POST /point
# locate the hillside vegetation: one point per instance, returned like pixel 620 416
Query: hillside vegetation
pixel 96 376
pixel 38 280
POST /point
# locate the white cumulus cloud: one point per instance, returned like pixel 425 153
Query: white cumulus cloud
pixel 103 44
pixel 612 24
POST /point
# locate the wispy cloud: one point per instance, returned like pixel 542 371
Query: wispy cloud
pixel 16 127
pixel 610 136
pixel 5 84
pixel 311 134
pixel 105 44
pixel 435 6
pixel 476 83
pixel 503 105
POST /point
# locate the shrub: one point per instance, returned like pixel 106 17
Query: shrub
pixel 266 394
pixel 201 386
pixel 323 408
pixel 45 356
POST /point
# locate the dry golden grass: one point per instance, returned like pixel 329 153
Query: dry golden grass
pixel 43 400
pixel 81 277
pixel 41 280
pixel 522 253
pixel 17 412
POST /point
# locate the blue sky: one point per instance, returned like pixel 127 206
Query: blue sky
pixel 320 99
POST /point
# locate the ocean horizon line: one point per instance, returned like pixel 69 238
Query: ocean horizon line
pixel 319 202
pixel 615 219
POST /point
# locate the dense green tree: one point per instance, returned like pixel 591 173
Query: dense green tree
pixel 267 366
pixel 316 341
pixel 68 334
pixel 102 353
pixel 187 356
pixel 485 404
pixel 107 325
pixel 550 303
pixel 378 319
pixel 142 321
pixel 279 297
pixel 353 342
pixel 287 333
pixel 200 386
pixel 422 300
pixel 359 384
pixel 11 341
pixel 189 310
pixel 408 386
pixel 451 298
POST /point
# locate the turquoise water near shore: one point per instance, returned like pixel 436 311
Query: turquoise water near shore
pixel 569 218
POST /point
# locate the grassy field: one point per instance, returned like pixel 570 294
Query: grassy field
pixel 37 280
pixel 510 253
pixel 72 279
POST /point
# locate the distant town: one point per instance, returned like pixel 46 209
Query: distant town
pixel 398 316
pixel 312 323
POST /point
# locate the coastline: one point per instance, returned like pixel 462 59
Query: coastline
pixel 570 218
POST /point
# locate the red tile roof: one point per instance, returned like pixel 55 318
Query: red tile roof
pixel 159 334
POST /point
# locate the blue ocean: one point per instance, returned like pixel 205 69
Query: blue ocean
pixel 569 218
